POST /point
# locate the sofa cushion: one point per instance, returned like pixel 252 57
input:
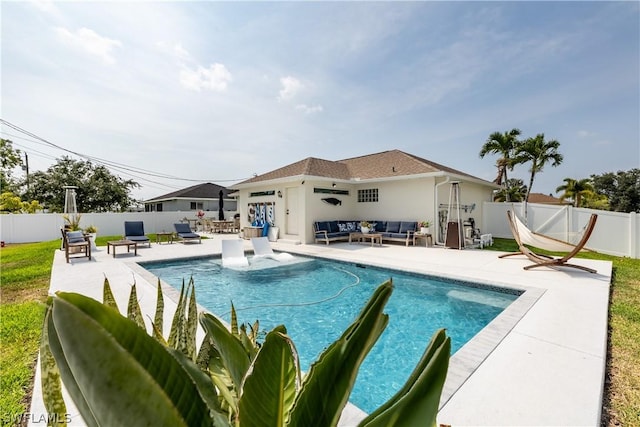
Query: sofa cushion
pixel 393 227
pixel 408 226
pixel 378 226
pixel 401 236
pixel 342 227
pixel 322 226
pixel 333 227
pixel 352 226
pixel 338 234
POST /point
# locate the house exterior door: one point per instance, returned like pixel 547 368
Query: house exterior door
pixel 291 211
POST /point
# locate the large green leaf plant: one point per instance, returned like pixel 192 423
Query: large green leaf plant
pixel 117 374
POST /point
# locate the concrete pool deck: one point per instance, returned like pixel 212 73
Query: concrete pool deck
pixel 541 362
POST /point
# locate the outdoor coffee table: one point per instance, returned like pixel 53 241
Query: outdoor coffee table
pixel 128 243
pixel 366 236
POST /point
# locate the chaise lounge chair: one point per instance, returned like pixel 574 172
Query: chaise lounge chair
pixel 519 230
pixel 134 231
pixel 185 234
pixel 262 248
pixel 75 242
pixel 233 253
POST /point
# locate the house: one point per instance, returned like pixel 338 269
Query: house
pixel 197 197
pixel 391 185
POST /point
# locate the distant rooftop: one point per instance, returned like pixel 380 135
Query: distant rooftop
pixel 199 191
pixel 546 199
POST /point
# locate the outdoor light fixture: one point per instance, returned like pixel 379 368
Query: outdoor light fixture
pixel 333 185
pixel 280 194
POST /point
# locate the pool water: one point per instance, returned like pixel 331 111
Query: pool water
pixel 317 300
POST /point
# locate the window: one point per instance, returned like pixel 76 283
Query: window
pixel 330 191
pixel 196 205
pixel 263 193
pixel 159 207
pixel 368 195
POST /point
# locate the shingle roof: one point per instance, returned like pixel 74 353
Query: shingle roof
pixel 199 191
pixel 386 164
pixel 544 199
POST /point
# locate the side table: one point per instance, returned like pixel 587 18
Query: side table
pixel 164 234
pixel 428 239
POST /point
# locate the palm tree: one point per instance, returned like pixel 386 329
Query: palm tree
pixel 505 145
pixel 575 189
pixel 539 152
pixel 515 191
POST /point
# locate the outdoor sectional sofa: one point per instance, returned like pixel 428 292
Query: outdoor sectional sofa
pixel 391 231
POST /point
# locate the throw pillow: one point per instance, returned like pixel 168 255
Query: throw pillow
pixel 75 236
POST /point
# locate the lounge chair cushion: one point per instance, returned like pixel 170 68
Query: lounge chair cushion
pixel 189 235
pixel 75 236
pixel 184 231
pixel 133 228
pixel 182 228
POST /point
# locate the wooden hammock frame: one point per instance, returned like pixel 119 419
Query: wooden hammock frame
pixel 541 260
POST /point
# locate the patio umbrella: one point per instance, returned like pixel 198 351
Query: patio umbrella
pixel 220 206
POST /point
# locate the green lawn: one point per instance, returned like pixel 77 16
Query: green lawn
pixel 24 281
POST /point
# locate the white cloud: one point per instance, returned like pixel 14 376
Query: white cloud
pixel 585 133
pixel 45 5
pixel 90 42
pixel 290 87
pixel 215 78
pixel 175 50
pixel 309 109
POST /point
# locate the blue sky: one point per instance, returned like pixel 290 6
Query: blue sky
pixel 216 92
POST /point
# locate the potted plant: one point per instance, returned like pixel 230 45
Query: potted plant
pixel 72 222
pixel 92 231
pixel 365 227
pixel 424 227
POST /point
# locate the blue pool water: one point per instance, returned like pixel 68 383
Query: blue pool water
pixel 302 296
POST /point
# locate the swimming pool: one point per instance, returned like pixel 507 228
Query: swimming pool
pixel 317 299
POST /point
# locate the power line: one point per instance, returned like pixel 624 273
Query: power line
pixel 107 163
pixel 30 150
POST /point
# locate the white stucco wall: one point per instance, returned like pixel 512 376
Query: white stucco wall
pixel 406 199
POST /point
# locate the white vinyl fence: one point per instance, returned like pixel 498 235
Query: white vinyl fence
pixel 615 233
pixel 22 228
